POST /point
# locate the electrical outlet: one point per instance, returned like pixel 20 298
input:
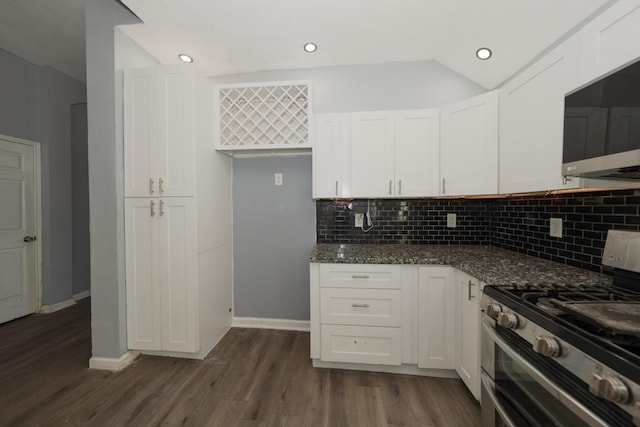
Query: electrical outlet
pixel 451 220
pixel 278 179
pixel 359 220
pixel 555 227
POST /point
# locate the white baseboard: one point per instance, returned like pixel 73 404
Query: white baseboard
pixel 82 295
pixel 64 304
pixel 402 369
pixel 113 364
pixel 262 323
pixel 57 306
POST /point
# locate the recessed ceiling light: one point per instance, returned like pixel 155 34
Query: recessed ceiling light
pixel 185 58
pixel 310 47
pixel 483 53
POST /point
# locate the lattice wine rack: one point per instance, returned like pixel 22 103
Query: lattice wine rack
pixel 265 115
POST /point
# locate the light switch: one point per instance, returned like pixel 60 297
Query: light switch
pixel 278 179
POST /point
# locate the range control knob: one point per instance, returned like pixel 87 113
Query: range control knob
pixel 507 320
pixel 493 310
pixel 609 387
pixel 547 346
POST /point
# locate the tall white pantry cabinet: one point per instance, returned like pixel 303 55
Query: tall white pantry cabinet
pixel 177 214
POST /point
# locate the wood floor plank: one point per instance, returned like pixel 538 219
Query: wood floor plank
pixel 253 378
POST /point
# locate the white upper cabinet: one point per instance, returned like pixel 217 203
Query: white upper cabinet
pixel 610 40
pixel 394 153
pixel 372 156
pixel 331 156
pixel 159 131
pixel 531 123
pixel 263 116
pixel 416 166
pixel 469 146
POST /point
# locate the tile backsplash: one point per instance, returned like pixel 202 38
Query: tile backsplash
pixel 519 223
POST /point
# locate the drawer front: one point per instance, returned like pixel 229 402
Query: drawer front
pixel 361 344
pixel 365 307
pixel 360 276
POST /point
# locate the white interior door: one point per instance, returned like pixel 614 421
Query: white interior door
pixel 17 229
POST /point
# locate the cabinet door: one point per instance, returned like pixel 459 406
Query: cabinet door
pixel 175 147
pixel 469 146
pixel 417 161
pixel 468 332
pixel 372 154
pixel 177 246
pixel 140 132
pixel 331 156
pixel 143 293
pixel 436 317
pixel 361 344
pixel 159 124
pixel 531 123
pixel 610 40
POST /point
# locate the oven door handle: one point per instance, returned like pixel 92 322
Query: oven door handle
pixel 488 385
pixel 570 402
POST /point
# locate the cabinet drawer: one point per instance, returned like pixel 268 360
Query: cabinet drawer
pixel 361 344
pixel 360 276
pixel 366 307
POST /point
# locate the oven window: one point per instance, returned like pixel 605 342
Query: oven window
pixel 526 402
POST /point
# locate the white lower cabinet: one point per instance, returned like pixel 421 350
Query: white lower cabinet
pixel 356 313
pixel 361 344
pixel 436 317
pixel 425 318
pixel 467 334
pixel 161 274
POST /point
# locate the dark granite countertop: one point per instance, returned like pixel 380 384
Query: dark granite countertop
pixel 492 265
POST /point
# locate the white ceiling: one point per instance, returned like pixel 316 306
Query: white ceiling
pixel 237 36
pixel 45 32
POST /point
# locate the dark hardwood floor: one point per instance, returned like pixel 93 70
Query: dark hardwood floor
pixel 253 378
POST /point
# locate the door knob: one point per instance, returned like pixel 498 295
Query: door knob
pixel 29 239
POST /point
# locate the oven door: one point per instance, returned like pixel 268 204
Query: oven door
pixel 521 394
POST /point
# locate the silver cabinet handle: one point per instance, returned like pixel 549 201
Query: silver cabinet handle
pixel 150 186
pixel 355 305
pixel 469 290
pixel 399 186
pixel 152 205
pixel 390 183
pixel 336 187
pixel 360 276
pixel 443 186
pixel 161 207
pixel 161 185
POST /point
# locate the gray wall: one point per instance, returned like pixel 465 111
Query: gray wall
pixel 106 190
pixel 388 86
pixel 36 105
pixel 80 199
pixel 274 233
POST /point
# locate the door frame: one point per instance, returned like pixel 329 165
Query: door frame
pixel 37 210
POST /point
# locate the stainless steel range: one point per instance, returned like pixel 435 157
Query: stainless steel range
pixel 565 355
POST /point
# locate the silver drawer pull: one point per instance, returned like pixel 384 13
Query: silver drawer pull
pixel 360 276
pixel 354 305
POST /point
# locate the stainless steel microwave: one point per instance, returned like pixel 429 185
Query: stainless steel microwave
pixel 602 127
